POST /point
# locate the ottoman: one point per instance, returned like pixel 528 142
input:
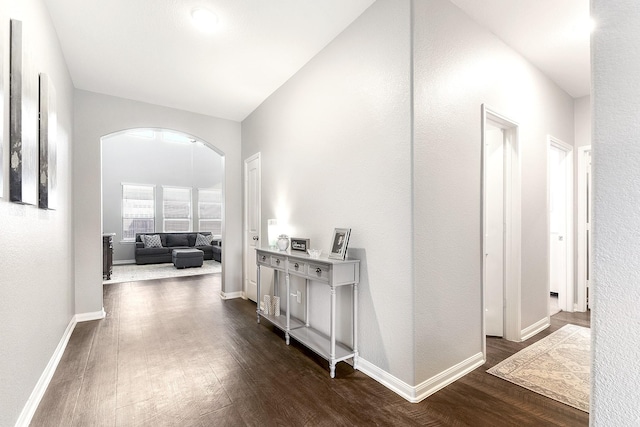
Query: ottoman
pixel 183 258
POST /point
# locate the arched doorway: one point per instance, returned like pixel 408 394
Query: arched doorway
pixel 159 180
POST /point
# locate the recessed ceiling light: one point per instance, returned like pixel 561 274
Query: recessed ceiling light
pixel 204 19
pixel 584 26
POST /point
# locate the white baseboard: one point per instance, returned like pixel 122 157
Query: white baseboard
pixel 85 317
pixel 41 386
pixel 443 379
pixel 415 394
pixel 539 326
pixel 230 295
pixel 124 261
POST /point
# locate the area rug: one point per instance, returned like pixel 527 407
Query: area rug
pixel 135 273
pixel 557 366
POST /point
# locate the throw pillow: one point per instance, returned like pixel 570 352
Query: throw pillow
pixel 152 241
pixel 202 240
pixel 177 240
pixel 142 238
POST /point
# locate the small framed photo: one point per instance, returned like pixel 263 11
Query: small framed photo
pixel 339 243
pixel 298 244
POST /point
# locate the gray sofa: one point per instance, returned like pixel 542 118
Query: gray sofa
pixel 171 241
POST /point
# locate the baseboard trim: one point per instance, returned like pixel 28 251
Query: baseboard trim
pixel 539 326
pixel 386 379
pixel 444 378
pixel 416 394
pixel 43 382
pixel 230 295
pixel 124 261
pixel 85 317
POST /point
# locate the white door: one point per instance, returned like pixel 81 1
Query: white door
pixel 252 223
pixel 494 231
pixel 584 229
pixel 557 224
pixel 561 210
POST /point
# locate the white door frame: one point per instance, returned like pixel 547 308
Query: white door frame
pixel 512 215
pixel 581 241
pixel 249 263
pixel 566 297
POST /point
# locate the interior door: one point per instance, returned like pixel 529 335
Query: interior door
pixel 557 224
pixel 494 231
pixel 252 223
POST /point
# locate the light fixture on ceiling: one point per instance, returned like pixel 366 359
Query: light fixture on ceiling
pixel 584 26
pixel 204 19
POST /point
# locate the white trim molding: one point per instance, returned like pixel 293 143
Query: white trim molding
pixel 43 382
pixel 86 317
pixel 537 327
pixel 124 261
pixel 418 393
pixel 231 295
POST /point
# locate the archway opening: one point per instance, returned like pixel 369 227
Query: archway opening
pixel 160 182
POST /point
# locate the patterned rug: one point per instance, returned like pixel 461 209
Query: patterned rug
pixel 557 366
pixel 136 273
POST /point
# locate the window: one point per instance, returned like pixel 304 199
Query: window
pixel 138 210
pixel 210 211
pixel 176 209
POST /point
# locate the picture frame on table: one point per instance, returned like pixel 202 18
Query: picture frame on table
pixel 298 244
pixel 339 243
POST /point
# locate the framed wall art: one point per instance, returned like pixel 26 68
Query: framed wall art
pixel 23 121
pixel 47 141
pixel 339 243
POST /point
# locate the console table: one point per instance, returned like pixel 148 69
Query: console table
pixel 324 271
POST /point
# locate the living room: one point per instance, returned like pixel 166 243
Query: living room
pixel 342 145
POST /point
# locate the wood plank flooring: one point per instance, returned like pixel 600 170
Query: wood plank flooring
pixel 172 353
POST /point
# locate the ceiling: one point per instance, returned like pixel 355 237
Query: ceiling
pixel 549 33
pixel 148 50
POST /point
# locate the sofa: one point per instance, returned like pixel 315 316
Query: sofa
pixel 171 241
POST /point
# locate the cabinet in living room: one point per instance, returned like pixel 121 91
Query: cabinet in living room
pixel 107 255
pixel 328 273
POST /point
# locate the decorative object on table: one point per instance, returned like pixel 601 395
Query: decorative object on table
pixel 275 306
pixel 47 134
pixel 314 253
pixel 339 243
pixel 272 232
pixel 283 242
pixel 267 304
pixel 298 244
pixel 23 128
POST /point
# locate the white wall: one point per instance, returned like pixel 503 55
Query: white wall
pixel 616 214
pixel 99 115
pixel 335 146
pixel 458 67
pixel 154 161
pixel 582 121
pixel 36 304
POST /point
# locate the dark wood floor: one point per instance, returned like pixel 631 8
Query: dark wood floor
pixel 171 353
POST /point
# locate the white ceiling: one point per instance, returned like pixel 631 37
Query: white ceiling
pixel 543 31
pixel 148 50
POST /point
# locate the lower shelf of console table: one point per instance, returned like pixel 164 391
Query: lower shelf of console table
pixel 311 338
pixel 326 272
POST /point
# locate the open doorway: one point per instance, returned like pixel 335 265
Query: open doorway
pixel 583 229
pixel 166 183
pixel 560 223
pixel 501 217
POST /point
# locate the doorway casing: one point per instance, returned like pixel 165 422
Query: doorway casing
pixel 512 224
pixel 566 296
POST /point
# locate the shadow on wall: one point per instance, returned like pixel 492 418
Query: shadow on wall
pixel 370 343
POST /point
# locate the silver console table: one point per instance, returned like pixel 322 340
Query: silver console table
pixel 327 272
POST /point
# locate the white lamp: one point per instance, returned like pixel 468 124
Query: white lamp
pixel 272 232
